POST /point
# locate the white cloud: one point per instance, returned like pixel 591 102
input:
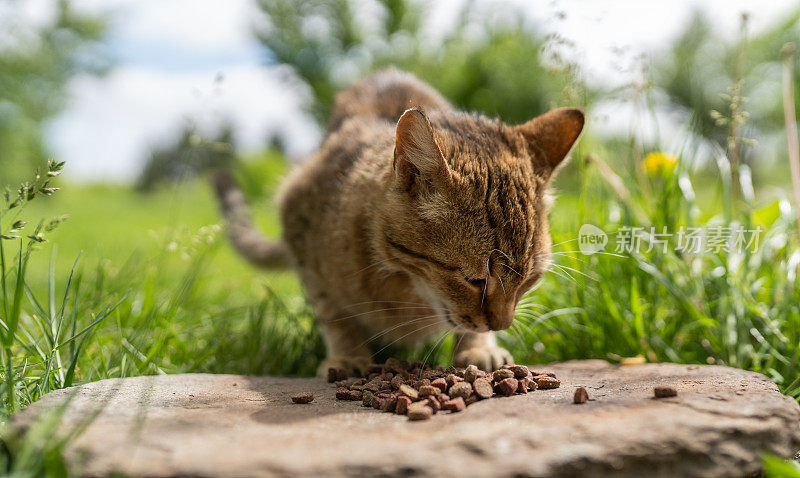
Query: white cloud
pixel 113 122
pixel 607 37
pixel 169 52
pixel 189 24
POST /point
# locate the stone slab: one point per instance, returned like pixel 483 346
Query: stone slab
pixel 201 425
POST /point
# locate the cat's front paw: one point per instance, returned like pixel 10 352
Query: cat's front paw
pixel 485 358
pixel 353 365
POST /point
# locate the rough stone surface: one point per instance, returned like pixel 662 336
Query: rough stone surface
pixel 224 425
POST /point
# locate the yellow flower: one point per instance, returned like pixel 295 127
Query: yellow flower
pixel 659 162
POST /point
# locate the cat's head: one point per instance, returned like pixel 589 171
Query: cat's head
pixel 465 214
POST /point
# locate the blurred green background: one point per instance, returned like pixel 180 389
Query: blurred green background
pixel 157 289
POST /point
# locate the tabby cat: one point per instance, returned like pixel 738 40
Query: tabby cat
pixel 414 218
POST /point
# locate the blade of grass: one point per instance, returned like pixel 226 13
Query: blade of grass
pixel 618 186
pixel 3 270
pixel 790 118
pixel 105 312
pixel 19 287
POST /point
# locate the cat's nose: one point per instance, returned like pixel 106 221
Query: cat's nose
pixel 499 316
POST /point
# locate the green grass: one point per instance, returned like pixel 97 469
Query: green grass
pixel 727 308
pixel 110 225
pixel 186 302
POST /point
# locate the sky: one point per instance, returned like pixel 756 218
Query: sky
pixel 179 61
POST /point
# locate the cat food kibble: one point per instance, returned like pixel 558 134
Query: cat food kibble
pixel 366 400
pixel 508 386
pixel 388 403
pixel 455 405
pixel 483 388
pixel 520 371
pixel 546 382
pixel 440 383
pixel 409 392
pixel 306 397
pixel 342 393
pixel 502 374
pixel 402 405
pixel 451 379
pixel 419 412
pixel 419 392
pixel 356 395
pixel 427 390
pixel 470 373
pixel 433 404
pixel 460 389
pixel 581 395
pixel 664 391
pixel 336 374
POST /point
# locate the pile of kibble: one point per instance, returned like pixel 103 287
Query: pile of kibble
pixel 419 391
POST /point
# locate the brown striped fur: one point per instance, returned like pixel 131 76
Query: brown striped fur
pixel 438 221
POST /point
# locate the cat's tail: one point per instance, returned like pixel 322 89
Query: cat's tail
pixel 246 239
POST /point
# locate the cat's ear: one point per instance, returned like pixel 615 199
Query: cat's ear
pixel 551 136
pixel 418 161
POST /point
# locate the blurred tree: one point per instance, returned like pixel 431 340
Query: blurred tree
pixel 191 155
pixel 492 63
pixel 36 64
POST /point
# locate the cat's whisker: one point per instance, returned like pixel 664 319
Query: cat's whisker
pixel 501 252
pixel 571 257
pixel 524 313
pixel 457 329
pixel 404 336
pixel 516 327
pixel 528 324
pixel 528 312
pixel 370 302
pixel 395 327
pixel 609 254
pixel 527 329
pixel 578 272
pixel 544 319
pixel 566 268
pixel 368 267
pixel 512 269
pixel 562 275
pixel 562 269
pixel 528 302
pixel 529 309
pixel 594 253
pixel 486 282
pixel 501 284
pixel 527 298
pixel 435 345
pixel 515 332
pixel 390 309
pixel 564 242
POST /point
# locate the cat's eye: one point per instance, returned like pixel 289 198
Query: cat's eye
pixel 479 283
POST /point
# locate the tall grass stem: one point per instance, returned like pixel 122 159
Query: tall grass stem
pixel 790 117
